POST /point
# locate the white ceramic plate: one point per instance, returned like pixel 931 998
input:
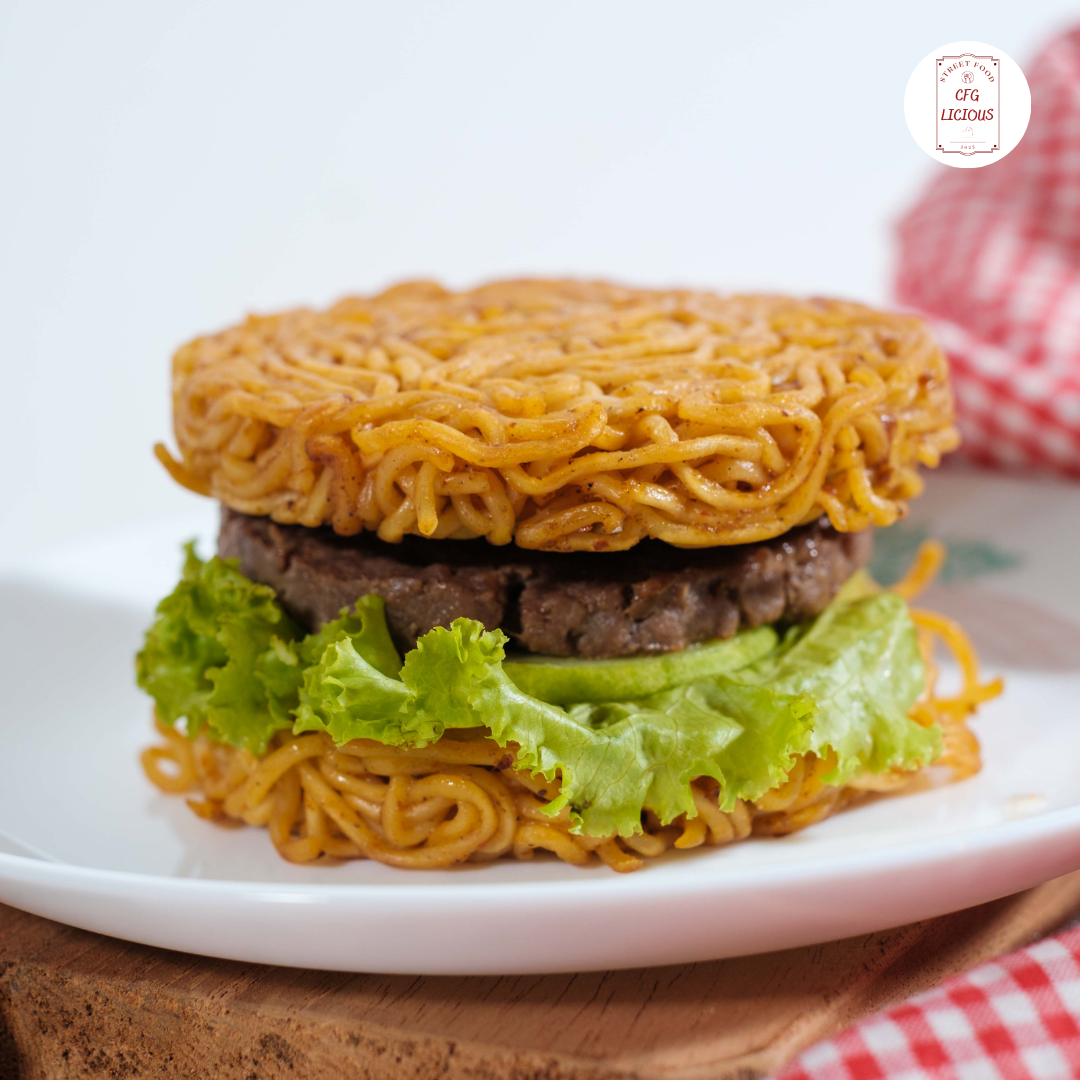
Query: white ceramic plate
pixel 85 839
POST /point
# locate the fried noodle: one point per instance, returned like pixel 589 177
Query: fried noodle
pixel 564 415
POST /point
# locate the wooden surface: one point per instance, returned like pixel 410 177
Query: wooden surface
pixel 74 1004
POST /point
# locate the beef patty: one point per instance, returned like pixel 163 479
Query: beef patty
pixel 653 598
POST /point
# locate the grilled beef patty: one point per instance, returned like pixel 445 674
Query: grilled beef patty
pixel 653 598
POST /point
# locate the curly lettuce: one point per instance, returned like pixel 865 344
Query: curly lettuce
pixel 859 661
pixel 223 654
pixel 220 655
pixel 615 759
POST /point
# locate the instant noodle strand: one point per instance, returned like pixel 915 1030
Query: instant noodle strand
pixel 564 415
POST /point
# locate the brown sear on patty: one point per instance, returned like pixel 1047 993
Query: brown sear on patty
pixel 653 598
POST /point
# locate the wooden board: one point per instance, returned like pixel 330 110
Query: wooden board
pixel 74 1004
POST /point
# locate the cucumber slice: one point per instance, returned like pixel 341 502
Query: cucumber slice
pixel 571 680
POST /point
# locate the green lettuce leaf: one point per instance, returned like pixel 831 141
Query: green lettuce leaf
pixel 220 654
pixel 345 695
pixel 223 653
pixel 365 627
pixel 615 759
pixel 859 662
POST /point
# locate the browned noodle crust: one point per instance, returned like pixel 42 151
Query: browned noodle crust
pixel 565 415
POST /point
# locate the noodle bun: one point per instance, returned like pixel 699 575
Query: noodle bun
pixel 564 415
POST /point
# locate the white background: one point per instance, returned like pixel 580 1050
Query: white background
pixel 167 167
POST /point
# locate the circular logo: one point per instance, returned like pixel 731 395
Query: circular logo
pixel 967 104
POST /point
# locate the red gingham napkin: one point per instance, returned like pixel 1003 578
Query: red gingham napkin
pixel 1017 1018
pixel 992 257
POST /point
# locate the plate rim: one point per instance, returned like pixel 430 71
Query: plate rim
pixel 973 843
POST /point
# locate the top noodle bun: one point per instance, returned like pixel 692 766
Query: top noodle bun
pixel 565 415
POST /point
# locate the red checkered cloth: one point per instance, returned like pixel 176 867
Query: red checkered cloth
pixel 1017 1018
pixel 992 257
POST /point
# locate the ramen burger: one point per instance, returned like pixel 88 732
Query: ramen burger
pixel 552 565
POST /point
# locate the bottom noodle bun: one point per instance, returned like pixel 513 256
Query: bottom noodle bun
pixel 434 794
pixel 460 799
